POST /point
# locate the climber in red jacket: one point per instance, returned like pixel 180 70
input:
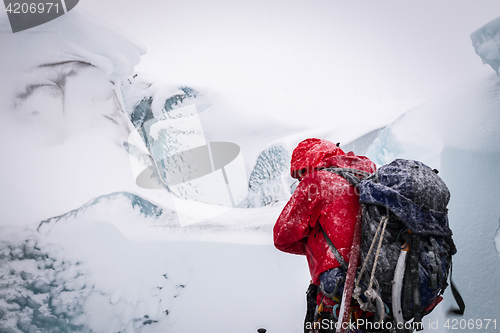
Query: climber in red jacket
pixel 324 199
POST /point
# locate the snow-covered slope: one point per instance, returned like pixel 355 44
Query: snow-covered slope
pixel 64 132
pixel 457 133
pixel 108 255
pixel 121 264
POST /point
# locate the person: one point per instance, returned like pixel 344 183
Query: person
pixel 323 202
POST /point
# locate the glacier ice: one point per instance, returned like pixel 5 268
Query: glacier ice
pixel 176 100
pixel 486 41
pixel 360 145
pixel 64 99
pixel 142 113
pixel 464 118
pixel 66 122
pixel 457 133
pixel 141 275
pixel 192 168
pixel 151 111
pixel 45 290
pixel 139 96
pixel 266 185
pixel 75 40
pixel 39 293
pixel 166 130
pixel 103 258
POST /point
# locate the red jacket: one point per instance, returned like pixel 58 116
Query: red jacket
pixel 323 197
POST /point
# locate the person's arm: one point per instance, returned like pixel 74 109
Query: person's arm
pixel 298 217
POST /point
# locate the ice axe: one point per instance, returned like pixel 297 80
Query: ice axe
pixel 350 277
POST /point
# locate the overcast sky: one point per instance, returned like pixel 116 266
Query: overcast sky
pixel 302 59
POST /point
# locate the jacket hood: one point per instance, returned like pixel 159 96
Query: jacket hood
pixel 312 154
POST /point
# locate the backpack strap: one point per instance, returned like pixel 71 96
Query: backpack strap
pixel 334 250
pixel 437 254
pixel 407 291
pixel 353 176
pixel 458 298
pixel 311 294
pixel 415 281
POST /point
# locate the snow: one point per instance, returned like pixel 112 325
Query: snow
pixel 124 266
pixel 86 245
pixel 486 41
pixel 457 133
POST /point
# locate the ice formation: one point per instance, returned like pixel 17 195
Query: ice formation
pixel 486 41
pixel 266 184
pixel 457 133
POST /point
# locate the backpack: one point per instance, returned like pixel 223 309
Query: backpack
pixel 406 244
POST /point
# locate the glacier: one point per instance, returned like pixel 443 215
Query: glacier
pixel 266 184
pixel 457 133
pixel 169 128
pixel 127 257
pixel 486 42
pixel 37 292
pixel 84 248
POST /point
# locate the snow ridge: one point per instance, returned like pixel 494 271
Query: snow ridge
pixel 146 208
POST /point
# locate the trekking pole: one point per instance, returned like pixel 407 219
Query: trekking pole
pixel 350 277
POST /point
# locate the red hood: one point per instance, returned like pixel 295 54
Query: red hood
pixel 312 154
